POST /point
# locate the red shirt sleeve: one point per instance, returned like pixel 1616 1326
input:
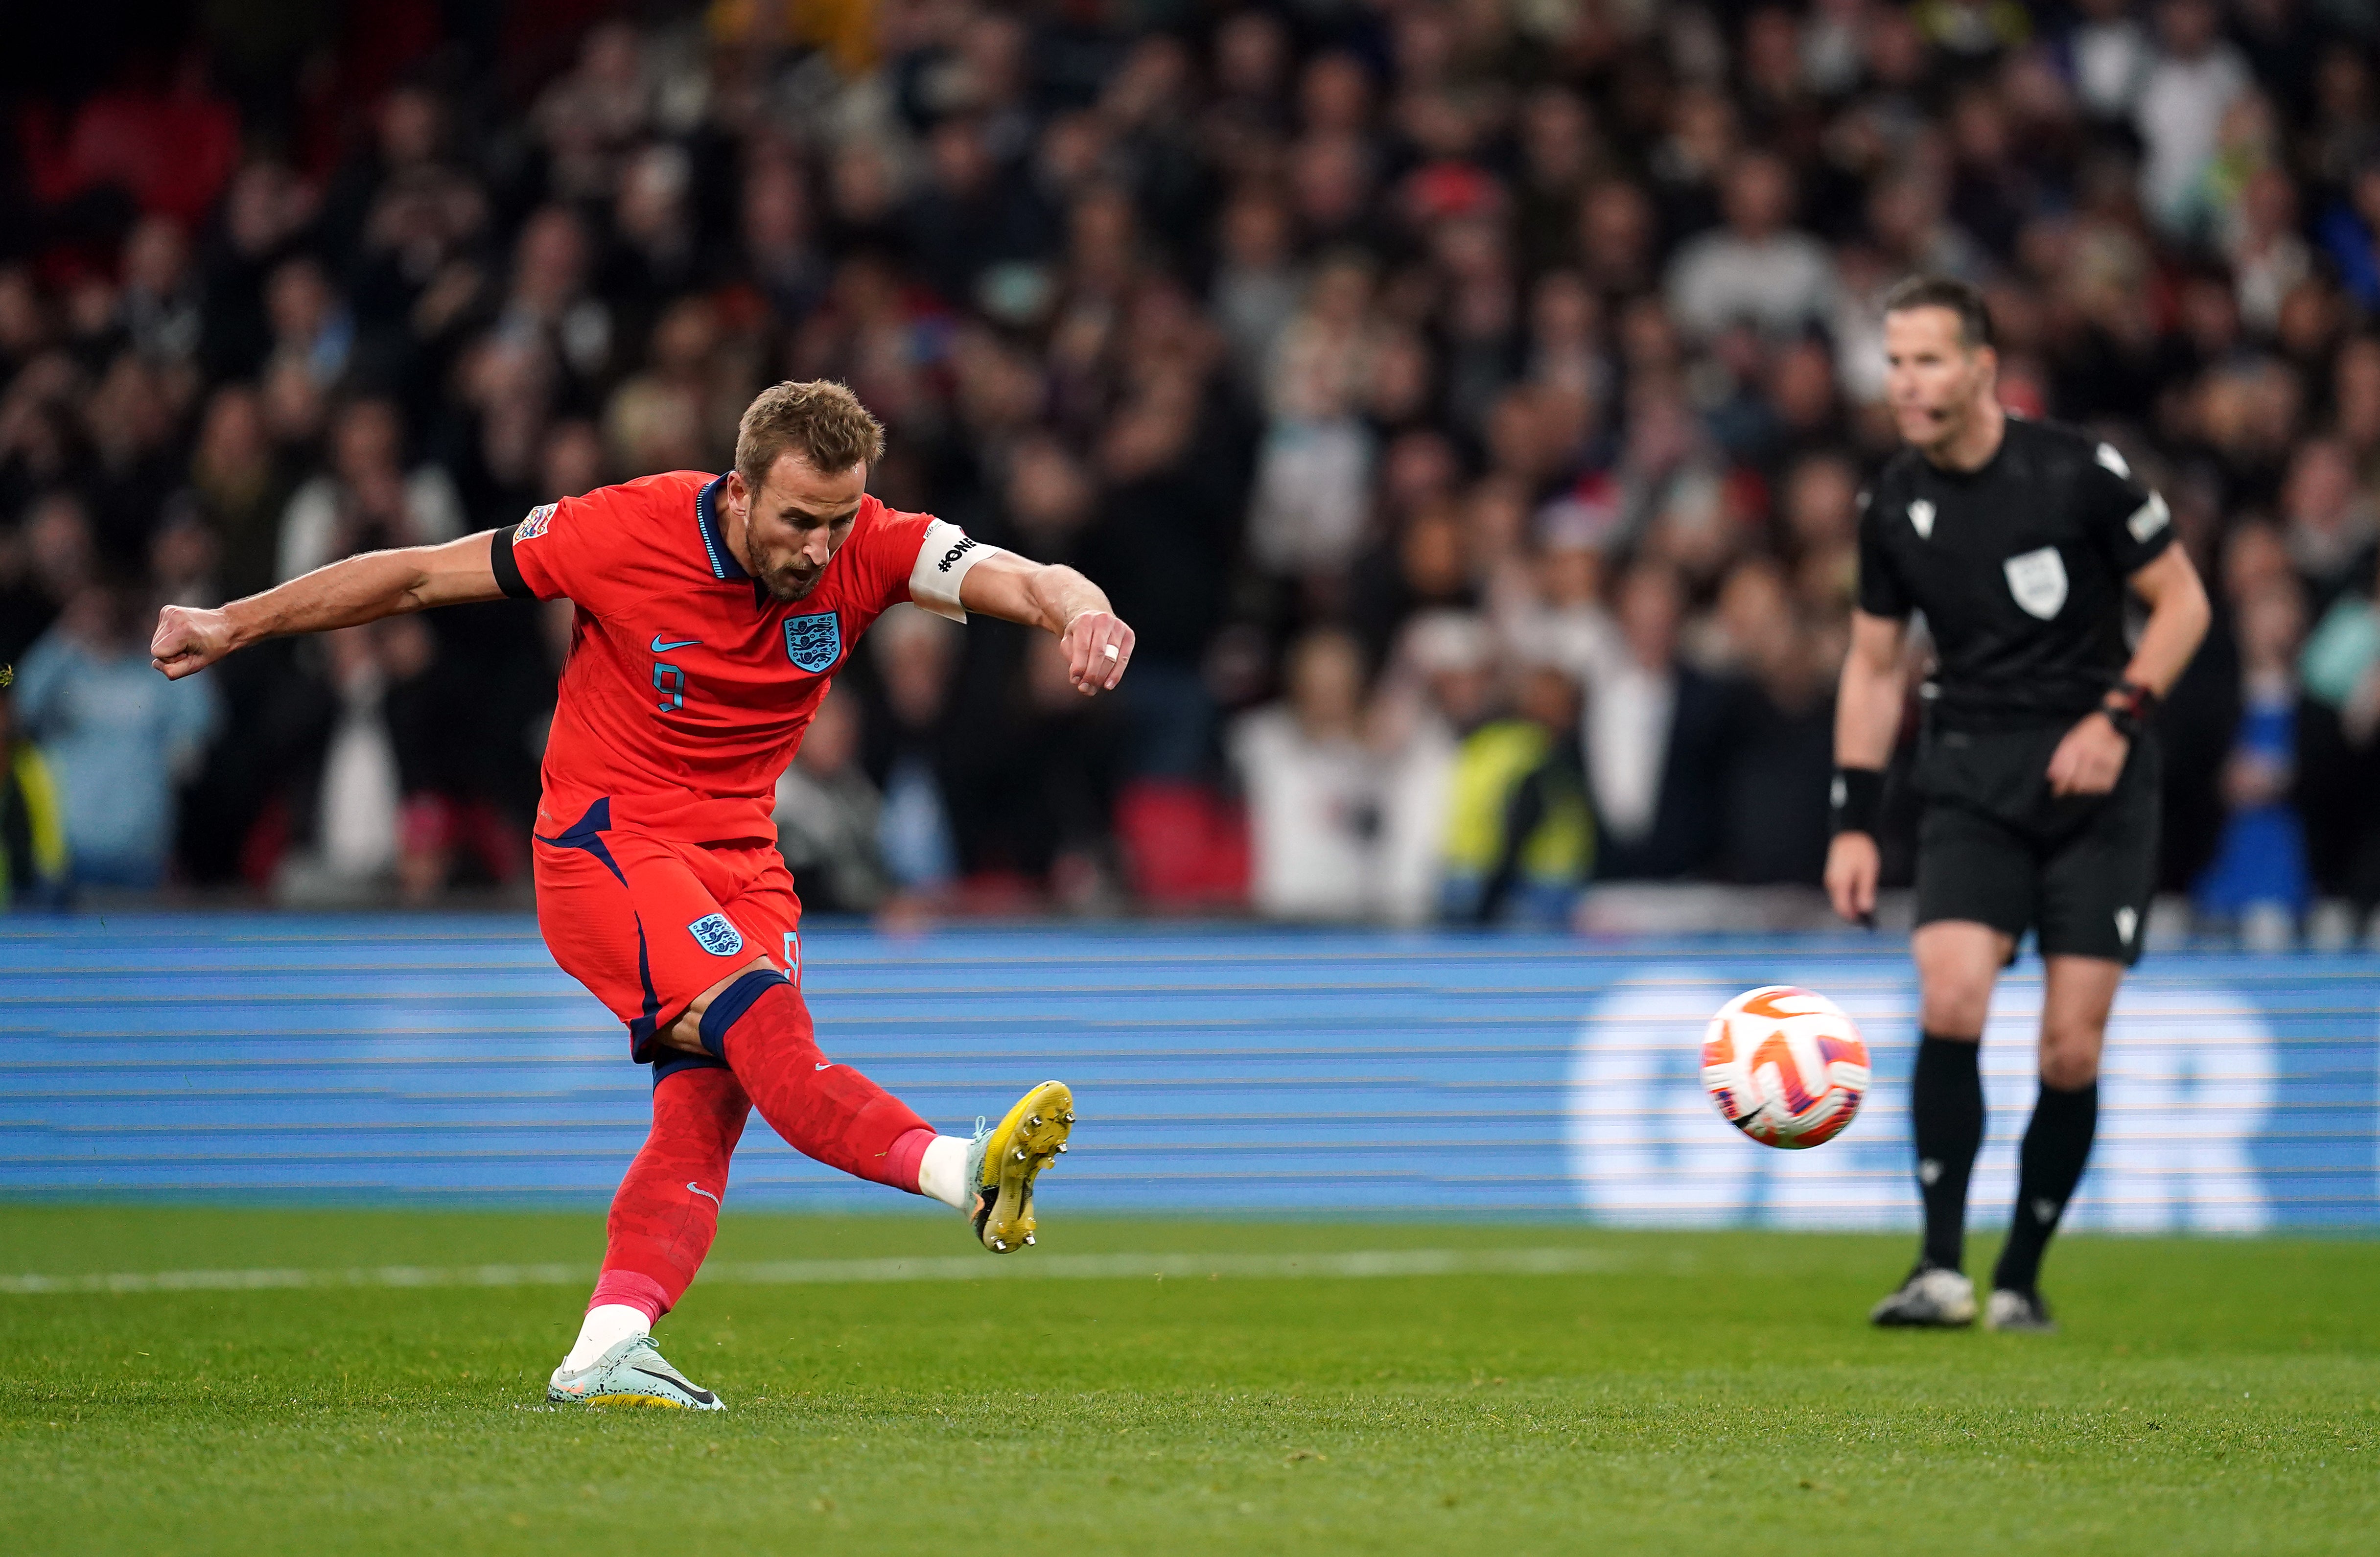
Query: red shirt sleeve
pixel 915 557
pixel 885 546
pixel 582 549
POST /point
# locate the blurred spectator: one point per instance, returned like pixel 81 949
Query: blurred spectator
pixel 1312 479
pixel 829 816
pixel 2196 76
pixel 909 756
pixel 1313 805
pixel 366 498
pixel 2328 517
pixel 1755 268
pixel 117 735
pixel 2258 878
pixel 1780 751
pixel 32 828
pixel 1363 324
pixel 1520 837
pixel 2110 55
pixel 1056 792
pixel 361 795
pixel 240 491
pixel 2339 750
pixel 1656 739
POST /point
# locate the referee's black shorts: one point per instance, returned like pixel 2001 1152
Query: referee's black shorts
pixel 1995 847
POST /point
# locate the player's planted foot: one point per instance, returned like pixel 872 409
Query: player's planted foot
pixel 2022 1313
pixel 631 1374
pixel 1933 1298
pixel 1005 1161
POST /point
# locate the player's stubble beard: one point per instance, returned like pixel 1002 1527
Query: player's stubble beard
pixel 786 585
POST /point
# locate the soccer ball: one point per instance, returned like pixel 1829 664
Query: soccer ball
pixel 1784 1065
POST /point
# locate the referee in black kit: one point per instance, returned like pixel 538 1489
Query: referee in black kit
pixel 2017 540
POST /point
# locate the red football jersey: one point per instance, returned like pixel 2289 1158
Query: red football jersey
pixel 688 688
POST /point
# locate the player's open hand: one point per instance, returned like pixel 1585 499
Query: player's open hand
pixel 187 640
pixel 1852 865
pixel 2090 760
pixel 1097 647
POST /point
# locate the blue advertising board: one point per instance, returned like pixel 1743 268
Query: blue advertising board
pixel 391 1059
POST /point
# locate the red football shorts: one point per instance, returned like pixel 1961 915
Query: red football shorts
pixel 646 923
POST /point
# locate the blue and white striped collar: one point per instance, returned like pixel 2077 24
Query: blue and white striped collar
pixel 714 534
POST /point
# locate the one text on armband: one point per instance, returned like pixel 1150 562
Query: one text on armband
pixel 965 543
pixel 534 526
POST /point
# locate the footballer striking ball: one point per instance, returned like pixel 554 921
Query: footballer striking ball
pixel 1784 1065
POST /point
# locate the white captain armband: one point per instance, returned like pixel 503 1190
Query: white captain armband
pixel 944 559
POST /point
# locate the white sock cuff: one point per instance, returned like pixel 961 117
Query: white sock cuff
pixel 941 1172
pixel 606 1326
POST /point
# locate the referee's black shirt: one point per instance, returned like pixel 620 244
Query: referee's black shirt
pixel 2019 569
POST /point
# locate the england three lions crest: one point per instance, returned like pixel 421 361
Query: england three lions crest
pixel 715 934
pixel 814 642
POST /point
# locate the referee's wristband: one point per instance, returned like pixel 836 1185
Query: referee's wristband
pixel 1855 799
pixel 2128 708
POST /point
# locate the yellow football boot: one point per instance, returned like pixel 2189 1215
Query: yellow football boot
pixel 1005 1161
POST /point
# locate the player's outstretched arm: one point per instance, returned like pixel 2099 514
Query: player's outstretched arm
pixel 357 589
pixel 1097 643
pixel 1867 721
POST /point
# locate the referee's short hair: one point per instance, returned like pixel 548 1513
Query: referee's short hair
pixel 1963 298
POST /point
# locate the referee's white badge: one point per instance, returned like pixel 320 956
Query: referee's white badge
pixel 2037 580
pixel 1921 518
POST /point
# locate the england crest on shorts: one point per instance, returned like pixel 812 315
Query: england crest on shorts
pixel 2037 580
pixel 814 642
pixel 715 935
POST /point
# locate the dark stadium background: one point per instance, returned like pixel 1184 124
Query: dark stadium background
pixel 1401 370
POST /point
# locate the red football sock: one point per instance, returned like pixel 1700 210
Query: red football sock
pixel 823 1110
pixel 666 1211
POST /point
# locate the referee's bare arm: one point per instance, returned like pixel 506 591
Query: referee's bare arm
pixel 345 595
pixel 1867 721
pixel 2091 759
pixel 1051 596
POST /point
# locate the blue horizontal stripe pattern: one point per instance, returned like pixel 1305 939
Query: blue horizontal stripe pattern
pixel 402 1058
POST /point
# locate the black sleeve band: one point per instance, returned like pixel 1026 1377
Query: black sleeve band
pixel 508 573
pixel 1855 799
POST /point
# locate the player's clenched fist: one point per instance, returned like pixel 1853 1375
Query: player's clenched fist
pixel 189 640
pixel 1097 647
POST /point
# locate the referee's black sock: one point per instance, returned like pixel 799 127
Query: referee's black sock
pixel 2057 1145
pixel 1946 1103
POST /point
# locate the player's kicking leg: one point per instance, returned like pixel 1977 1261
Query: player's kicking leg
pixel 758 1051
pixel 758 1024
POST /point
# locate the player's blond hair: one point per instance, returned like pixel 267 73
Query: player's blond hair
pixel 822 420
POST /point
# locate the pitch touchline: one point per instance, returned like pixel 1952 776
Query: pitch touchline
pixel 1349 1265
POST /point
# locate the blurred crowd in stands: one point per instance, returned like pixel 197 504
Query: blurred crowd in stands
pixel 1466 400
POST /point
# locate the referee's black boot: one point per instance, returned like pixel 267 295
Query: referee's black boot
pixel 1934 1297
pixel 2022 1313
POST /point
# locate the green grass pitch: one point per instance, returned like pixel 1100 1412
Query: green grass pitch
pixel 1695 1392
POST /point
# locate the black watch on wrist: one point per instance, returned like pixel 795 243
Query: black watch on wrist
pixel 2128 708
